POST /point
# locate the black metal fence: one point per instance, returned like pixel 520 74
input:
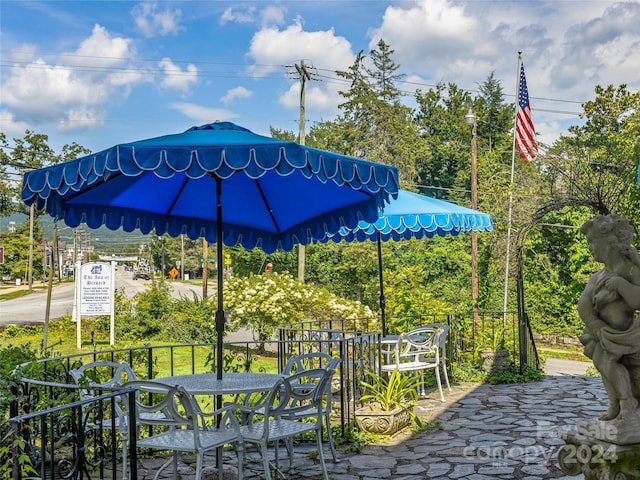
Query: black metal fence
pixel 66 441
pixel 474 331
pixel 55 426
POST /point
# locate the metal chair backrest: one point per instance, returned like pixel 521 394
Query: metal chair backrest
pixel 315 360
pixel 306 361
pixel 329 340
pixel 418 342
pixel 299 392
pixel 443 337
pixel 168 406
pixel 292 407
pixel 96 376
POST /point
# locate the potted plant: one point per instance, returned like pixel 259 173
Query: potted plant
pixel 391 399
pixel 496 357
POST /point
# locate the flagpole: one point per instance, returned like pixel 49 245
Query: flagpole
pixel 513 157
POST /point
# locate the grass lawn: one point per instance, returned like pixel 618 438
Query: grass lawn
pixel 563 353
pixel 169 359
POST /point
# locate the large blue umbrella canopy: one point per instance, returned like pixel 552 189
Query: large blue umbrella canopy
pixel 217 181
pixel 412 215
pixel 276 193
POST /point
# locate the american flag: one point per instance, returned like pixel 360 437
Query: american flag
pixel 525 131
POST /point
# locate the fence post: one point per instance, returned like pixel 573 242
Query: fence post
pixel 133 437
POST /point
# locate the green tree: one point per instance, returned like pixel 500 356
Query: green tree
pixel 374 124
pixel 27 153
pixel 596 164
pixel 592 170
pixel 444 173
pixel 347 269
pixel 16 252
pixel 558 265
pixel 153 312
pixel 7 187
pixel 384 74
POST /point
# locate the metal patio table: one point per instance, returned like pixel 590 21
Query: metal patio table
pixel 230 384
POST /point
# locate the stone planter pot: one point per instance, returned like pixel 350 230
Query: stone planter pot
pixel 494 360
pixel 382 422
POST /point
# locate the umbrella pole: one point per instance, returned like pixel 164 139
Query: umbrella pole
pixel 382 299
pixel 220 309
pixel 220 320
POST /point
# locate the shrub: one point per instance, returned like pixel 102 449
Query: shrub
pixel 265 302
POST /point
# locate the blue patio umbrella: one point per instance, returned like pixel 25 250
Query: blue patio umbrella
pixel 412 215
pixel 217 181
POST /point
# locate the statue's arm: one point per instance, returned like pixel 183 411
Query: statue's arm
pixel 629 292
pixel 588 313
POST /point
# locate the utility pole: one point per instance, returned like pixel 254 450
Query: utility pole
pixel 205 268
pixel 303 76
pixel 30 266
pixel 182 257
pixel 56 253
pixel 470 119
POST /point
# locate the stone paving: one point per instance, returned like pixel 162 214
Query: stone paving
pixel 483 432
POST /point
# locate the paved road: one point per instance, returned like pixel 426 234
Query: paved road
pixel 31 308
pixel 557 366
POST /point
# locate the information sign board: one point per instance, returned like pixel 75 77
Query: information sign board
pixel 96 291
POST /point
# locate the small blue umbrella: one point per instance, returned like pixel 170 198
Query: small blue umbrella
pixel 411 215
pixel 273 193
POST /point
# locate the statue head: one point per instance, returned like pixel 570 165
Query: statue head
pixel 615 230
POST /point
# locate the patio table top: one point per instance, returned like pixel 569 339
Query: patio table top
pixel 230 384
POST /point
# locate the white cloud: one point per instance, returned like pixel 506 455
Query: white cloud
pixel 602 50
pixel 153 22
pixel 237 92
pixel 81 116
pixel 177 79
pixel 235 15
pixel 9 126
pixel 272 15
pixel 73 93
pixel 436 38
pixel 285 47
pixel 316 97
pixel 201 114
pixel 268 16
pixel 568 48
pixel 325 51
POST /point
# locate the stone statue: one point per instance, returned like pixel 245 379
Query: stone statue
pixel 608 307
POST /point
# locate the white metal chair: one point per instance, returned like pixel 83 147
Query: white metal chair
pixel 306 361
pixel 442 344
pixel 275 418
pixel 184 426
pixel 416 351
pixel 328 340
pixel 300 363
pixel 95 377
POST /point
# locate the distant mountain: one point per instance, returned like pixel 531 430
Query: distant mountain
pixel 102 238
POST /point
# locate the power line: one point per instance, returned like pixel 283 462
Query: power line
pixel 332 78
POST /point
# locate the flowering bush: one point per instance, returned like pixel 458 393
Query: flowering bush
pixel 264 302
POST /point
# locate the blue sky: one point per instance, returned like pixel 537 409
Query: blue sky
pixel 106 72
